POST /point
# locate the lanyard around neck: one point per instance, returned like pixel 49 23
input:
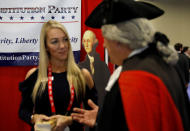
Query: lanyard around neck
pixel 50 92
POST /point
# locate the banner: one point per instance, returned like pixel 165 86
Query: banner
pixel 20 26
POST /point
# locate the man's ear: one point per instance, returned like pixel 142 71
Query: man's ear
pixel 122 46
pixel 119 45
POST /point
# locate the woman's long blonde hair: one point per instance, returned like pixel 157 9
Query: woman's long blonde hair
pixel 74 74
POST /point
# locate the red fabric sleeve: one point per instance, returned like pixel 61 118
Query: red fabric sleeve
pixel 147 103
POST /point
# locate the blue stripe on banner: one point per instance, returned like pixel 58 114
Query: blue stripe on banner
pixel 77 56
pixel 19 59
pixel 25 59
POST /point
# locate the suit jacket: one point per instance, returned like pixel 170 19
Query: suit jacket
pixel 182 67
pixel 101 74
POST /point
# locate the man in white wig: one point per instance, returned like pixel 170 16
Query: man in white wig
pixel 145 93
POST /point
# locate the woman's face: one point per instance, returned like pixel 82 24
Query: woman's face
pixel 57 44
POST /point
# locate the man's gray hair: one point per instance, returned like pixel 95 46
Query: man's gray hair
pixel 138 33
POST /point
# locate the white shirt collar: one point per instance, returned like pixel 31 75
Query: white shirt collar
pixel 113 78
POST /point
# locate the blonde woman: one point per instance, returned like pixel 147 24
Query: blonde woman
pixel 50 91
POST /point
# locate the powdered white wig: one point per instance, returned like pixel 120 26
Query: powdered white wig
pixel 138 33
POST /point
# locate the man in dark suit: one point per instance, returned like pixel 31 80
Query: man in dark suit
pixel 182 65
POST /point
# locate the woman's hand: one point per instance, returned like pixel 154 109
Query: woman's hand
pixel 61 122
pixel 39 117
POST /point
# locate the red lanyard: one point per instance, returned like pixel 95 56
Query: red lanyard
pixel 50 92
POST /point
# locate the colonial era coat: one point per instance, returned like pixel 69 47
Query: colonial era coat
pixel 148 95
